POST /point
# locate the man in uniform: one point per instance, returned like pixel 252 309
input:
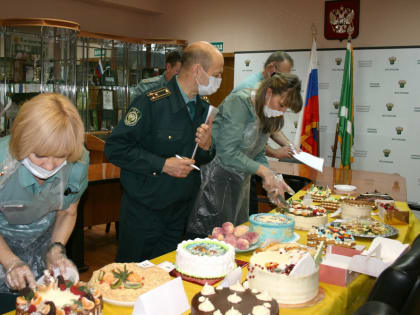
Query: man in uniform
pixel 159 188
pixel 172 66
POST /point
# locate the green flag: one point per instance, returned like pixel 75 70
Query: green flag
pixel 345 111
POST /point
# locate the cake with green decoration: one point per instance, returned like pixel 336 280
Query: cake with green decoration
pixel 205 258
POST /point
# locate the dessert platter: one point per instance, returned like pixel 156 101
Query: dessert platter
pixel 56 295
pixel 330 203
pixel 367 228
pixel 272 270
pixel 273 226
pixel 331 234
pixel 306 217
pixel 236 299
pixel 239 237
pixel 122 283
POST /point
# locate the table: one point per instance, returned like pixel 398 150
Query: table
pixel 99 204
pixel 338 300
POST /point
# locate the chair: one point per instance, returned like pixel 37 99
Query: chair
pixel 398 286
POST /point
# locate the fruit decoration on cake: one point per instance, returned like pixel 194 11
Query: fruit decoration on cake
pixel 61 297
pixel 307 216
pixel 125 282
pixel 239 237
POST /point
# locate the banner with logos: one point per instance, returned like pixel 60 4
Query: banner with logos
pixel 387 106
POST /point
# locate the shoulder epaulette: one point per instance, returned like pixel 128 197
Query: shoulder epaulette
pixel 205 99
pixel 158 94
pixel 151 80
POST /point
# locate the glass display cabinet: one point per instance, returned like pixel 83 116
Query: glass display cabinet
pixel 108 69
pixel 36 56
pixel 98 72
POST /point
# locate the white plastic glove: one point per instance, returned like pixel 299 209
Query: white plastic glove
pixel 19 275
pixel 278 189
pixel 56 258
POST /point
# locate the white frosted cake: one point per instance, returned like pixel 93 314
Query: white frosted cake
pixel 307 216
pixel 269 271
pixel 205 258
pixel 356 209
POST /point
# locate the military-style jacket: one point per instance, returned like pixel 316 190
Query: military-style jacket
pixel 150 83
pixel 156 127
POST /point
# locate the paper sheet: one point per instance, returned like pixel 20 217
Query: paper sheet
pixel 176 302
pixel 232 278
pixel 310 160
pixel 211 114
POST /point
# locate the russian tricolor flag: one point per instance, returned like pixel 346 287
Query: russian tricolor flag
pixel 99 69
pixel 309 136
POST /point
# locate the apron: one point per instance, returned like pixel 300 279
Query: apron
pixel 27 219
pixel 224 191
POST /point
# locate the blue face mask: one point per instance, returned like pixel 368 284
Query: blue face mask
pixel 40 172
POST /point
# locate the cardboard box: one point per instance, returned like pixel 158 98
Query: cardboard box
pixel 334 268
pixel 391 214
pixel 380 255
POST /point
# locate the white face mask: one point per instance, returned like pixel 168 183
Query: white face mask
pixel 269 112
pixel 211 87
pixel 40 172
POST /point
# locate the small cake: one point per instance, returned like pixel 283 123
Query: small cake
pixel 205 258
pixel 307 216
pixel 125 282
pixel 236 298
pixel 61 297
pixel 330 203
pixel 352 209
pixel 333 234
pixel 319 193
pixel 270 271
pixel 272 226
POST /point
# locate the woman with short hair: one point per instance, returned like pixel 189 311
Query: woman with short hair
pixel 43 166
pixel 245 120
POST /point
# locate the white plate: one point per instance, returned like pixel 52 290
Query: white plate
pixel 345 187
pixel 251 248
pixel 296 237
pixel 118 303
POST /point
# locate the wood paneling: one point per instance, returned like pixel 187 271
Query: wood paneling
pixel 227 81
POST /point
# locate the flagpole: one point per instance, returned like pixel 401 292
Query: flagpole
pixel 350 33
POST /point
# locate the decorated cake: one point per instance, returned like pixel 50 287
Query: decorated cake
pixel 205 258
pixel 61 297
pixel 333 234
pixel 272 226
pixel 271 271
pixel 236 299
pixel 124 282
pixel 319 193
pixel 352 209
pixel 330 203
pixel 307 216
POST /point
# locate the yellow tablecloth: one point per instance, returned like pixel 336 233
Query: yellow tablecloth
pixel 338 300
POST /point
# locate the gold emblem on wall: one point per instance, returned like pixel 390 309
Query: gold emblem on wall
pixel 402 83
pixel 338 61
pixel 389 106
pixel 386 152
pixel 399 130
pixel 336 104
pixel 247 62
pixel 392 60
pixel 295 123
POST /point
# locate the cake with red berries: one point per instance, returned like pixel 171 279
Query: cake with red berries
pixel 270 271
pixel 61 297
pixel 307 216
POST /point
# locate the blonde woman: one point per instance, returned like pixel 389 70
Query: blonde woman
pixel 43 166
pixel 241 129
